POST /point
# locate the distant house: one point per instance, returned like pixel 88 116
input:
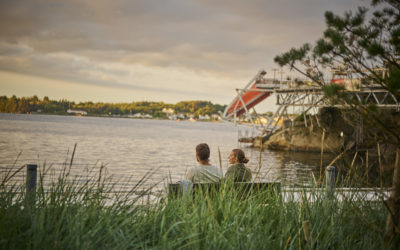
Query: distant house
pixel 204 117
pixel 168 111
pixel 139 115
pixel 77 112
pixel 179 116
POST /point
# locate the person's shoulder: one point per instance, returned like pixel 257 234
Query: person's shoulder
pixel 219 172
pixel 212 166
pixel 191 172
pixel 234 166
pixel 230 168
pixel 194 169
pixel 215 168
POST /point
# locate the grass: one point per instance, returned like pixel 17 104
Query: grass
pixel 71 214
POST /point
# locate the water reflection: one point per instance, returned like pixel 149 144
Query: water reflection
pixel 131 148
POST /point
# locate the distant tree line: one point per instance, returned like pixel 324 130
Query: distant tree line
pixel 15 104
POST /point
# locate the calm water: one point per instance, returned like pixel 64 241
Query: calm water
pixel 132 147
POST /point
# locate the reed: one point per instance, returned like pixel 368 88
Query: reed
pixel 71 214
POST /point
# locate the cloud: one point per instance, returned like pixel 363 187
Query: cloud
pixel 73 68
pixel 175 45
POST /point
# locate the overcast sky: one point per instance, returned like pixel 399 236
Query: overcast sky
pixel 156 50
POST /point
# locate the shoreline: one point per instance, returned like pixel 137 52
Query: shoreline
pixel 113 116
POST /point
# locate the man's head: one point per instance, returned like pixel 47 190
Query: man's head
pixel 202 152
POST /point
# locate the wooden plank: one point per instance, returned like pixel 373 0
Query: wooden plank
pixel 245 189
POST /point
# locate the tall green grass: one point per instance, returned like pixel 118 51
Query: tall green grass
pixel 74 215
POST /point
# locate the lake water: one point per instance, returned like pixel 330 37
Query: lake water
pixel 130 148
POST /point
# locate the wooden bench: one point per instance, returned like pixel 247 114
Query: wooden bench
pixel 244 189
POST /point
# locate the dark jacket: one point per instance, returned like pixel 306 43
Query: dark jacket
pixel 239 173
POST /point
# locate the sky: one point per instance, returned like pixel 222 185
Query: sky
pixel 150 50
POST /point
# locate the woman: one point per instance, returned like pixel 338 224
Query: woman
pixel 238 171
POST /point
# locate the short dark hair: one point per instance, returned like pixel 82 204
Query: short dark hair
pixel 203 151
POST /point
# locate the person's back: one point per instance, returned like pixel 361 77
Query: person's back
pixel 204 172
pixel 238 173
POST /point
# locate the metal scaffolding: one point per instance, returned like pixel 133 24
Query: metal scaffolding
pixel 314 97
pixel 308 97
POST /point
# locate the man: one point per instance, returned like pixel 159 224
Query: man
pixel 204 172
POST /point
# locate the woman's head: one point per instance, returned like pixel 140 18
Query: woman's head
pixel 202 152
pixel 237 156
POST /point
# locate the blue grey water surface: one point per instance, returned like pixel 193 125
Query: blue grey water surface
pixel 133 147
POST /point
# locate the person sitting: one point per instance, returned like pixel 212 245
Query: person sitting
pixel 204 172
pixel 238 172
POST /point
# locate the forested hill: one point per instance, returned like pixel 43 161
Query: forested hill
pixel 34 104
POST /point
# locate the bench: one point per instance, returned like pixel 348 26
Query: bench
pixel 244 189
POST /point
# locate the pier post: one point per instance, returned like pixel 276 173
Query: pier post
pixel 31 177
pixel 330 180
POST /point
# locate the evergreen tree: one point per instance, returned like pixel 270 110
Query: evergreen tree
pixel 367 44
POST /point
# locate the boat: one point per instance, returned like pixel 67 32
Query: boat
pixel 257 90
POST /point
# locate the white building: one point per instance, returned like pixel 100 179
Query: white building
pixel 142 116
pixel 204 117
pixel 78 112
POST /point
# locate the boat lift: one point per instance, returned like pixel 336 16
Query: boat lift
pixel 304 97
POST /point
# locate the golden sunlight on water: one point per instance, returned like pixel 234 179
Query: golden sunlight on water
pixel 130 148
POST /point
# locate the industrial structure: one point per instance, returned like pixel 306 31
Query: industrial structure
pixel 304 97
